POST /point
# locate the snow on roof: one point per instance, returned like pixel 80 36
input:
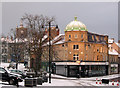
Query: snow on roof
pixel 98 33
pixel 113 52
pixel 58 37
pixel 109 45
pixel 44 37
pixel 117 44
pixel 17 40
pixel 110 40
pixel 60 42
pixel 52 41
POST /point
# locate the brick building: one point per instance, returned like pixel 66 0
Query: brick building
pixel 80 52
pixel 114 52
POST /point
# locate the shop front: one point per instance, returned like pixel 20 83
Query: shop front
pixel 73 69
pixel 114 69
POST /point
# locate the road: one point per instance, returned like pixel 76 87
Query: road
pixel 63 82
pixel 57 80
pixel 115 79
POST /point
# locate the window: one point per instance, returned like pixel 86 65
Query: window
pixel 102 38
pixel 75 57
pixel 97 57
pixel 97 50
pixel 93 37
pixel 86 47
pixel 75 46
pixel 75 35
pixel 89 46
pixel 97 37
pixel 69 36
pixel 62 45
pixel 82 36
pixel 2 70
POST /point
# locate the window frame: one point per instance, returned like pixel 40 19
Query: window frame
pixel 76 36
pixel 76 47
pixel 69 36
pixel 76 57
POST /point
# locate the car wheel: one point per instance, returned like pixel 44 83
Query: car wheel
pixel 11 81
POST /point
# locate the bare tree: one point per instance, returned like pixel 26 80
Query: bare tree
pixel 15 48
pixel 36 32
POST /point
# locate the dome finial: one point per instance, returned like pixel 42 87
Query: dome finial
pixel 75 18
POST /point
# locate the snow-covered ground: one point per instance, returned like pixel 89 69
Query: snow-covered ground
pixel 64 81
pixel 58 80
pixel 20 66
pixel 91 81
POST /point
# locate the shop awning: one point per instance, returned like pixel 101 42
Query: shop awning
pixel 114 65
pixel 81 63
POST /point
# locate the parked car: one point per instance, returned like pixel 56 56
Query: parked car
pixel 23 75
pixel 12 65
pixel 11 78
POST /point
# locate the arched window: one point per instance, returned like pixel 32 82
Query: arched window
pixel 75 35
pixel 81 35
pixel 69 36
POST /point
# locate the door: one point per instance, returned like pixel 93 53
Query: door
pixel 73 71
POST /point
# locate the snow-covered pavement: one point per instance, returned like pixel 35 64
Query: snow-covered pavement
pixel 20 66
pixel 64 81
pixel 58 80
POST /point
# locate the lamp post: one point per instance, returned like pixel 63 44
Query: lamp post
pixel 49 52
pixel 50 60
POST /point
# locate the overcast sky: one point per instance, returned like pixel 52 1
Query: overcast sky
pixel 99 17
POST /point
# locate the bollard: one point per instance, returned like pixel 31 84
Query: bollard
pixel 117 83
pixel 112 82
pixel 100 81
pixel 96 80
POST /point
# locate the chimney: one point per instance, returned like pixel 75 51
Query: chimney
pixel 112 39
pixel 57 31
pixel 118 41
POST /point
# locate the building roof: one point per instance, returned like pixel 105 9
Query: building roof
pixel 118 44
pixel 113 52
pixel 111 40
pixel 60 42
pixel 75 26
pixel 57 40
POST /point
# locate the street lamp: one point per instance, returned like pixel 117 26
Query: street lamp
pixel 50 60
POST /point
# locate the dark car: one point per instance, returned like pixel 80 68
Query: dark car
pixel 11 78
pixel 23 75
